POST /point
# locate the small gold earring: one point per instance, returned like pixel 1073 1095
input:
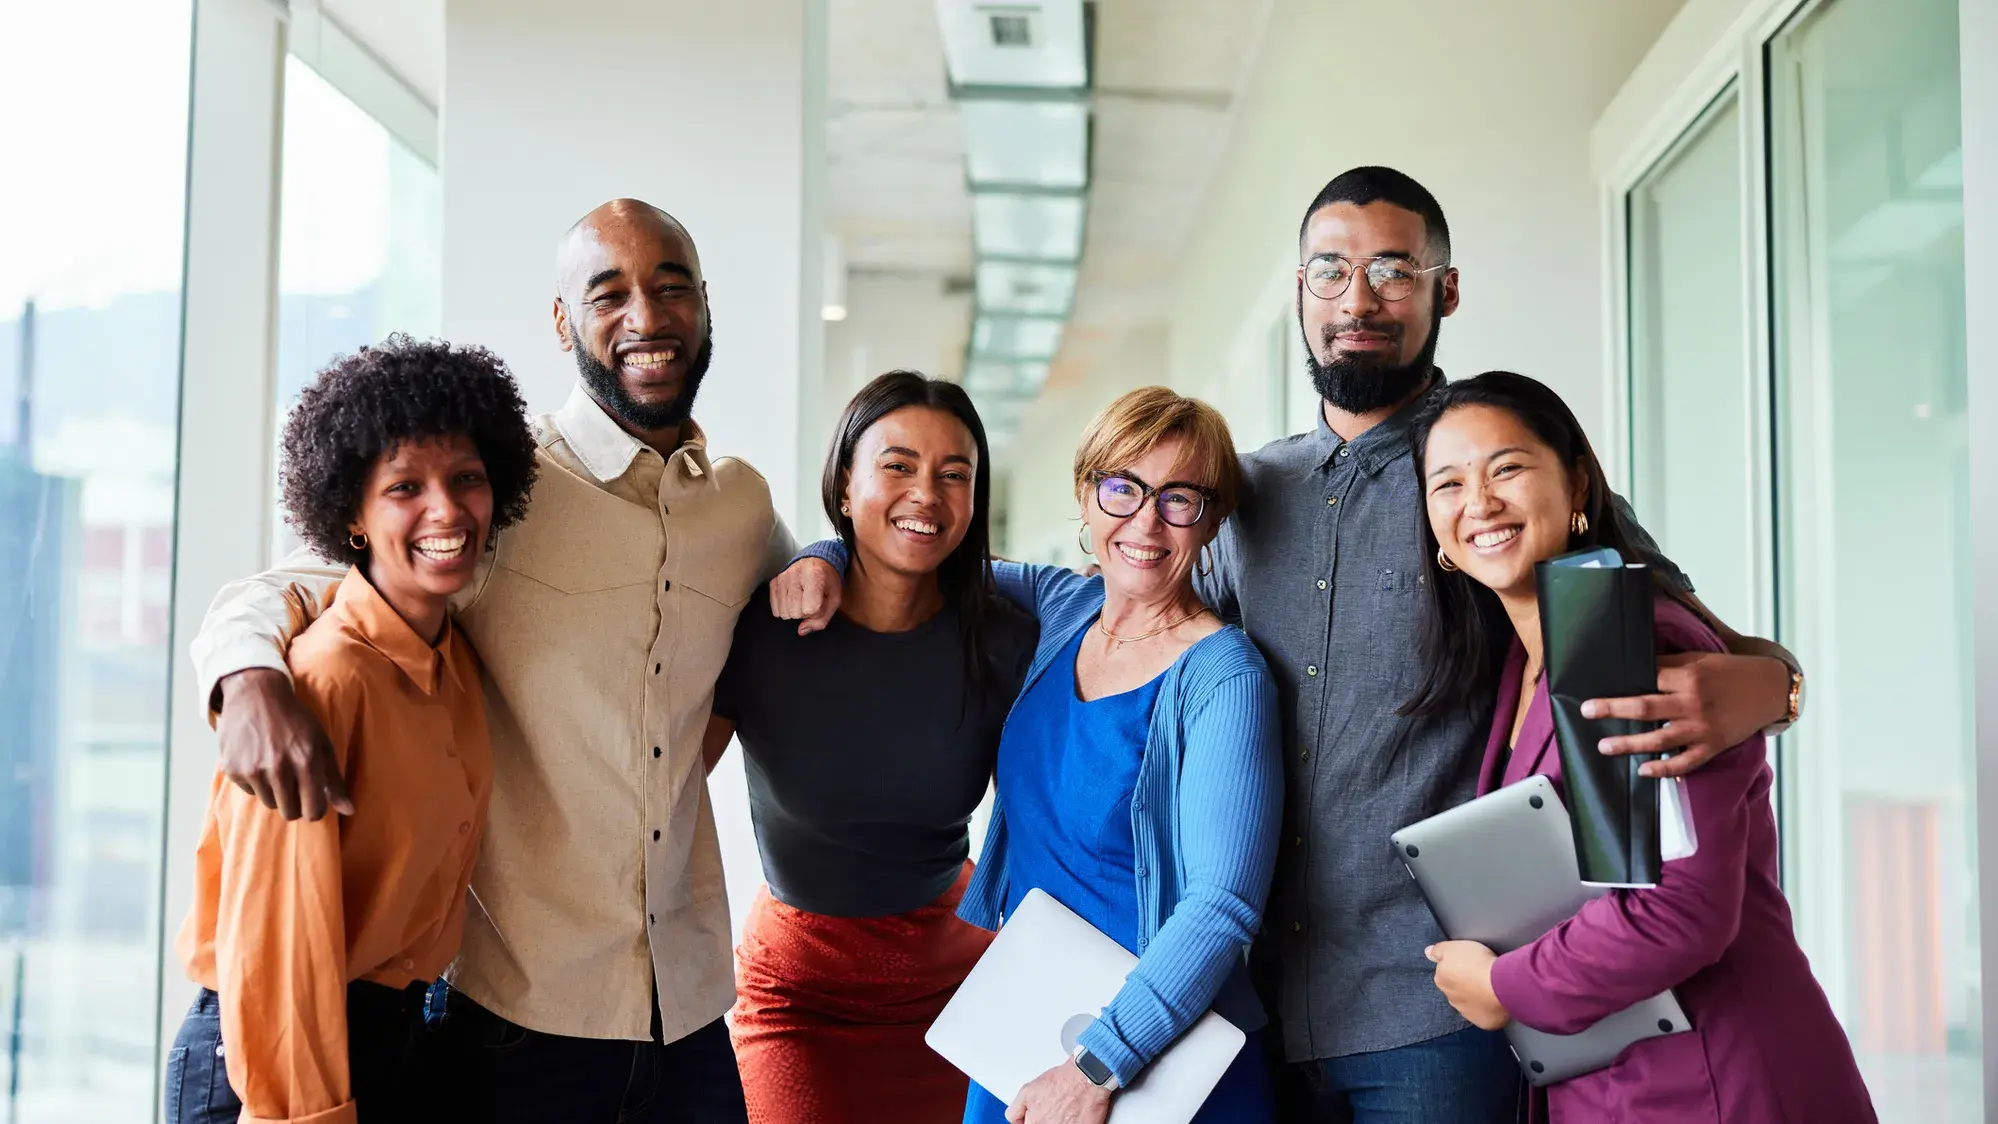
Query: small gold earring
pixel 1443 560
pixel 1578 523
pixel 357 541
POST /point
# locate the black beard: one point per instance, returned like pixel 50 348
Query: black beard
pixel 1362 384
pixel 608 389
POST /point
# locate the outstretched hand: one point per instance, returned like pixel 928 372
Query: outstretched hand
pixel 808 592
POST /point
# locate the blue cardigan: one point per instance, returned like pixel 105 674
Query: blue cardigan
pixel 1204 821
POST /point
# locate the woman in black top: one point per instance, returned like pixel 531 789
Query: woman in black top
pixel 868 746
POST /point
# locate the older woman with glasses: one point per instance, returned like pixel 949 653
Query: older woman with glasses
pixel 1138 777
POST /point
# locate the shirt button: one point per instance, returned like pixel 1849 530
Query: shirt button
pixel 464 829
pixel 1331 501
pixel 1141 872
pixel 1304 755
pixel 1142 942
pixel 1345 450
pixel 655 837
pixel 655 669
pixel 668 586
pixel 652 919
pixel 409 965
pixel 655 751
pixel 1321 583
pixel 1312 669
pixel 1297 840
pixel 1297 926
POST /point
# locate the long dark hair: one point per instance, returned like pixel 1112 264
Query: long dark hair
pixel 1465 632
pixel 965 577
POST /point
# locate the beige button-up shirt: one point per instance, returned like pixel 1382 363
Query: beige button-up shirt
pixel 602 620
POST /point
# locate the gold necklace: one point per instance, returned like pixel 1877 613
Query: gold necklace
pixel 1105 629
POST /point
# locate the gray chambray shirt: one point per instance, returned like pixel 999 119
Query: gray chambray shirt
pixel 1322 565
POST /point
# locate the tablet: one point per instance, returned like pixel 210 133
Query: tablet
pixel 1041 982
pixel 1501 871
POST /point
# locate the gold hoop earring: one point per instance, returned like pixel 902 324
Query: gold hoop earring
pixel 357 541
pixel 1443 560
pixel 1578 524
pixel 1082 539
pixel 1205 566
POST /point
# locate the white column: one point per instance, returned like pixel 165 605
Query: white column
pixel 1980 258
pixel 698 107
pixel 223 495
pixel 712 111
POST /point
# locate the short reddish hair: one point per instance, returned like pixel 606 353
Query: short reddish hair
pixel 1139 420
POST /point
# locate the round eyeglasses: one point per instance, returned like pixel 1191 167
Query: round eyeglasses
pixel 1180 504
pixel 1390 276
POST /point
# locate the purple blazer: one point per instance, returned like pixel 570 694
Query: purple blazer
pixel 1764 1045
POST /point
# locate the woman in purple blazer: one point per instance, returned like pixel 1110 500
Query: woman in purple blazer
pixel 1510 481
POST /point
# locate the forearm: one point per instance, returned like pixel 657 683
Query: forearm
pixel 250 621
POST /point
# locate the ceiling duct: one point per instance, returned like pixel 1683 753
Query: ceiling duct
pixel 1020 74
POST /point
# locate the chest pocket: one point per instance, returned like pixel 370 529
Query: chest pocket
pixel 720 535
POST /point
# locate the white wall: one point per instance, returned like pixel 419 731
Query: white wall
pixel 697 107
pixel 712 111
pixel 1494 117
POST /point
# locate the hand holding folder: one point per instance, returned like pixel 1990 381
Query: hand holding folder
pixel 1597 642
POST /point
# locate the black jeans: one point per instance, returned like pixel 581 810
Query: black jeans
pixel 391 1061
pixel 513 1075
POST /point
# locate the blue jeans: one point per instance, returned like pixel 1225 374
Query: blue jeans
pixel 394 1072
pixel 1469 1077
pixel 514 1075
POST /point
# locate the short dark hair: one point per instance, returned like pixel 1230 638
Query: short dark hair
pixel 1465 633
pixel 1361 186
pixel 364 405
pixel 965 577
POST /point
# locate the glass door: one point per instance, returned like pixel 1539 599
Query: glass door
pixel 1873 543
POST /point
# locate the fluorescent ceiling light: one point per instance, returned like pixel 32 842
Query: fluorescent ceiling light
pixel 1027 226
pixel 1029 290
pixel 833 312
pixel 1016 337
pixel 1014 42
pixel 987 379
pixel 1029 143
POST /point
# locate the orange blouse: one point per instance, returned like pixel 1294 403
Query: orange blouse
pixel 286 914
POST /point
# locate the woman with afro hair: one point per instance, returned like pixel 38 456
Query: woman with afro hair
pixel 314 942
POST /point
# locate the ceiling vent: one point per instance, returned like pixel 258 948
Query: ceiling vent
pixel 1011 28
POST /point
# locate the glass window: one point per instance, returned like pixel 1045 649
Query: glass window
pixel 91 218
pixel 1691 446
pixel 360 242
pixel 1874 545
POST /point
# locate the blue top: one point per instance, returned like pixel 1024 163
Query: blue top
pixel 1067 770
pixel 1204 821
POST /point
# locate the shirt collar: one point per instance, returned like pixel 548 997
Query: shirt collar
pixel 607 451
pixel 369 613
pixel 1378 447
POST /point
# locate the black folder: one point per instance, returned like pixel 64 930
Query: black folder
pixel 1597 643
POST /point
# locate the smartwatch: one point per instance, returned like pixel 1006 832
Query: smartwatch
pixel 1093 1068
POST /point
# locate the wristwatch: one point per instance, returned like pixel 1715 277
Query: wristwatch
pixel 1093 1068
pixel 1796 710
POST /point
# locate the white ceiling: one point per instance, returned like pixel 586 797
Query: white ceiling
pixel 1167 73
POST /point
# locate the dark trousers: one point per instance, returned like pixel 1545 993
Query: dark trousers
pixel 512 1075
pixel 1469 1077
pixel 390 1063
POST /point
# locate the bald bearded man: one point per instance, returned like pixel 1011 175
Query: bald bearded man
pixel 595 966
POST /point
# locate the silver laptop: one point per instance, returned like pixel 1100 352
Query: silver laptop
pixel 1044 979
pixel 1501 871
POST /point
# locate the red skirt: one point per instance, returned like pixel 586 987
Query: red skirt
pixel 830 1012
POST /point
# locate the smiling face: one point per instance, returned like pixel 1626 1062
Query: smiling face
pixel 1366 353
pixel 426 509
pixel 632 307
pixel 1499 498
pixel 909 490
pixel 1143 556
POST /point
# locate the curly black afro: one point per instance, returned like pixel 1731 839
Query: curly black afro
pixel 367 403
